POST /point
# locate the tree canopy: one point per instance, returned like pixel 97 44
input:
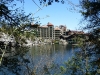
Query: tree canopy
pixel 91 13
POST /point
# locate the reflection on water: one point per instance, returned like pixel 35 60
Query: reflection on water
pixel 50 54
pixel 24 61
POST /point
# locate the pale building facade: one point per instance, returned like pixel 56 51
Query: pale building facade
pixel 57 32
pixel 49 31
pixel 46 31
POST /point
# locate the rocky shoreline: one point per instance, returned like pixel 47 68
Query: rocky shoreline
pixel 10 41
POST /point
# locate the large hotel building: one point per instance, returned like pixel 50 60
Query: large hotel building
pixel 49 31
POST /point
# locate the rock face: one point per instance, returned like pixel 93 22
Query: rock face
pixel 10 41
pixel 63 42
pixel 6 39
pixel 38 41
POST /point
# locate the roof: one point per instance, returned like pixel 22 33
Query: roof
pixel 76 32
pixel 44 26
pixel 49 24
pixel 34 25
pixel 62 26
pixel 57 28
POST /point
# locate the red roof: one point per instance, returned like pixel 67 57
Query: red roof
pixel 49 24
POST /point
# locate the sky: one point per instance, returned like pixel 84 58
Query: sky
pixel 58 14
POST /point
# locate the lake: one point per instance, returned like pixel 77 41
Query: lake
pixel 56 53
pixel 46 55
pixel 36 58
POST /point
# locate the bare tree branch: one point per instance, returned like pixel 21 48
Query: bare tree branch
pixel 36 4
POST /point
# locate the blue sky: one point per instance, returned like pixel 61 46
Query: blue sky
pixel 59 14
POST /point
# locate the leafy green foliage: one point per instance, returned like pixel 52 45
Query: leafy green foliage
pixel 14 22
pixel 91 13
pixel 14 62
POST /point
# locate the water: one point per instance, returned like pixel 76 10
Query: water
pixel 38 56
pixel 55 53
pixel 46 55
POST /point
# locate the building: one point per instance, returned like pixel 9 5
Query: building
pixel 49 31
pixel 43 32
pixel 57 32
pixel 63 29
pixel 46 31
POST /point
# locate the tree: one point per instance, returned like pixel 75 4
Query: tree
pixel 91 13
pixel 6 14
pixel 13 22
